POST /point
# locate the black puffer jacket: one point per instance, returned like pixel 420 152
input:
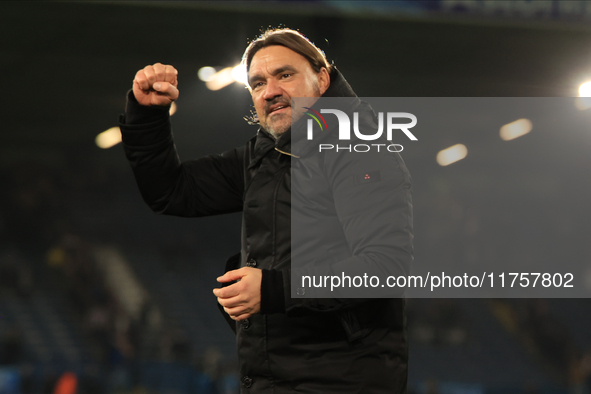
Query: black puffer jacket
pixel 295 344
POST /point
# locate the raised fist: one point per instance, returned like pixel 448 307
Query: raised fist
pixel 156 85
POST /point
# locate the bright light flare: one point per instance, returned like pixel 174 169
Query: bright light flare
pixel 515 129
pixel 205 73
pixel 239 73
pixel 221 79
pixel 108 138
pixel 452 154
pixel 218 80
pixel 585 89
pixel 583 102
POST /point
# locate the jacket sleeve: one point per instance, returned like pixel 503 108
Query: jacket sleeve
pixel 376 218
pixel 207 186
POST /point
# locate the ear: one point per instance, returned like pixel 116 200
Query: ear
pixel 323 80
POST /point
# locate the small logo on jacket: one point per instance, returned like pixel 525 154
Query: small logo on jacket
pixel 367 177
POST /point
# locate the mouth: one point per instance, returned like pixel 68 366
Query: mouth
pixel 277 108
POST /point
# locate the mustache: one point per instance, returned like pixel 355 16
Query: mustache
pixel 277 100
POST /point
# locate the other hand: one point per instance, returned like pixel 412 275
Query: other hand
pixel 243 298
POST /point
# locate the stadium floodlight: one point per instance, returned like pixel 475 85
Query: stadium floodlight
pixel 585 89
pixel 239 74
pixel 205 73
pixel 452 154
pixel 108 138
pixel 515 129
pixel 221 79
pixel 583 102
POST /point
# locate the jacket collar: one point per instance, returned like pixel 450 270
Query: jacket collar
pixel 339 87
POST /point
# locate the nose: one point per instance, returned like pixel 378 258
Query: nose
pixel 272 90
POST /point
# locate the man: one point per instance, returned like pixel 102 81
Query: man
pixel 287 344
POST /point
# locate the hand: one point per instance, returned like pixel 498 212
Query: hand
pixel 243 298
pixel 156 85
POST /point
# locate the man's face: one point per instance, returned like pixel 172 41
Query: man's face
pixel 276 75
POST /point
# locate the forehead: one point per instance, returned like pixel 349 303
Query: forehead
pixel 273 56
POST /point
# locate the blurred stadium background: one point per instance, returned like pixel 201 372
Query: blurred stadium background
pixel 99 295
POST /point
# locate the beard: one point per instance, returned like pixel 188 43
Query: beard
pixel 280 123
pixel 278 126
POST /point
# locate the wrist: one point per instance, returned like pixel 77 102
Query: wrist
pixel 136 113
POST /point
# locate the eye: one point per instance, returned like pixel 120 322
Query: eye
pixel 285 75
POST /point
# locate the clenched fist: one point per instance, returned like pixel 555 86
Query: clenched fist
pixel 156 85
